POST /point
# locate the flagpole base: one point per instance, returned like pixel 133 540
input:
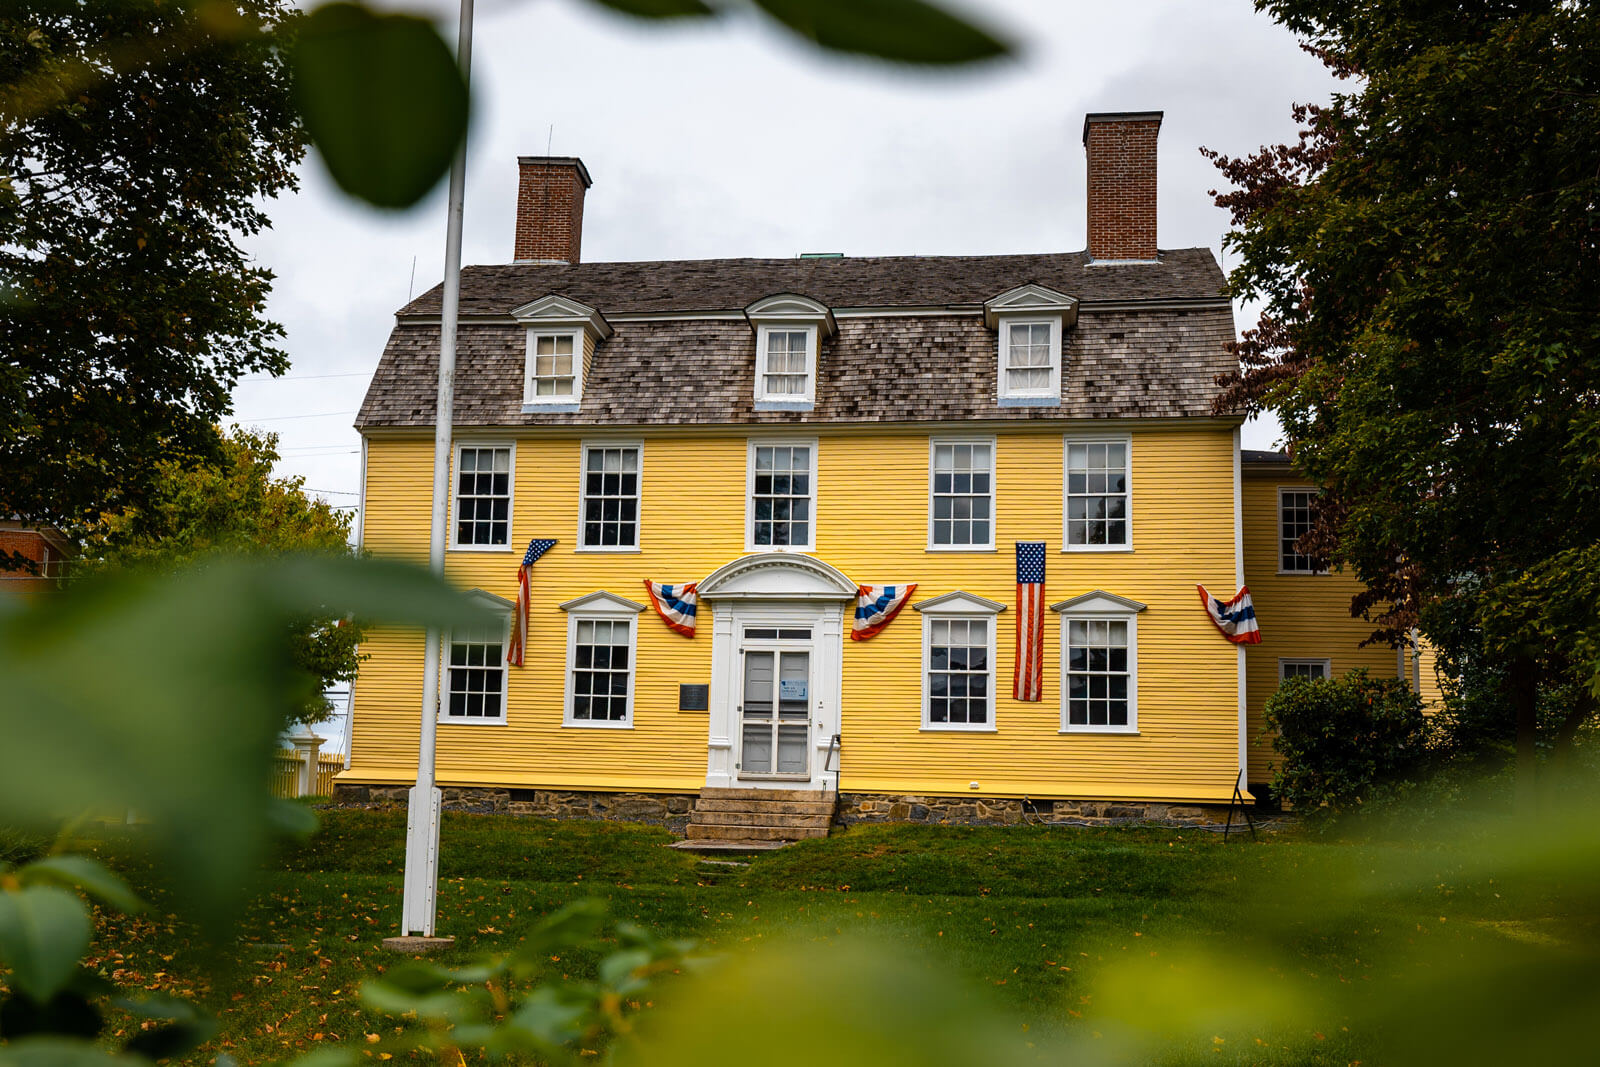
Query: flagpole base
pixel 417 946
pixel 422 862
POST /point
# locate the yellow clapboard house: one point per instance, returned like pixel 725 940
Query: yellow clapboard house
pixel 800 439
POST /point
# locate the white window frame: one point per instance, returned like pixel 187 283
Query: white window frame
pixel 1304 661
pixel 1126 441
pixel 750 492
pixel 511 495
pixel 583 495
pixel 965 614
pixel 444 716
pixel 1100 612
pixel 994 463
pixel 600 614
pixel 529 396
pixel 1003 391
pixel 1278 528
pixel 764 332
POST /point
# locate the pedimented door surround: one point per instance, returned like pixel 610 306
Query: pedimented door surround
pixel 750 597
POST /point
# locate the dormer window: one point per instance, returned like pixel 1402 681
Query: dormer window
pixel 1029 322
pixel 789 331
pixel 562 335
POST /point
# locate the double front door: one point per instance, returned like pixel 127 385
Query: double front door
pixel 775 702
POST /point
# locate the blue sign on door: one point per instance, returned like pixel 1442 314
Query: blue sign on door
pixel 792 689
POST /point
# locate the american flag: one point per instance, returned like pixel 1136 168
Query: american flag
pixel 1029 680
pixel 519 619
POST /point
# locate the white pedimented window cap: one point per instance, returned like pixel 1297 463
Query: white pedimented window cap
pixel 791 308
pixel 1098 602
pixel 777 576
pixel 1030 299
pixel 559 311
pixel 602 602
pixel 482 598
pixel 959 603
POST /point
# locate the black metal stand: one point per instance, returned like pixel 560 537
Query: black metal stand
pixel 1244 809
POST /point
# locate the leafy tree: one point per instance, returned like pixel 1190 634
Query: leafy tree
pixel 237 507
pixel 1428 254
pixel 139 141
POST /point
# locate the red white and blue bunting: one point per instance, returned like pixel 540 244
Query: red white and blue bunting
pixel 675 604
pixel 1236 618
pixel 876 607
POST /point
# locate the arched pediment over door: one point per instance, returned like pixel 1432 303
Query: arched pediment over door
pixel 777 576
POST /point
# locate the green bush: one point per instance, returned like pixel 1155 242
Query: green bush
pixel 1342 739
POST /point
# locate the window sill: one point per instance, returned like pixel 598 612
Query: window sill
pixel 482 548
pixel 799 550
pixel 609 549
pixel 1113 731
pixel 454 720
pixel 1029 401
pixel 785 405
pixel 1072 549
pixel 563 407
pixel 583 724
pixel 933 729
pixel 961 548
pixel 1303 574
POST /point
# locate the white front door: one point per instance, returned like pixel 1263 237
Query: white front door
pixel 775 709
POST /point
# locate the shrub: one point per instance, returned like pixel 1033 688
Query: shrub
pixel 1341 739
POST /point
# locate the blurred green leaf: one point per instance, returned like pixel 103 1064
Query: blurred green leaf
pixel 43 932
pixel 382 98
pixel 62 1052
pixel 658 9
pixel 165 695
pixel 69 1013
pixel 617 969
pixel 551 1016
pixel 174 1039
pixel 573 925
pixel 83 873
pixel 291 819
pixel 158 1006
pixel 909 31
pixel 443 1006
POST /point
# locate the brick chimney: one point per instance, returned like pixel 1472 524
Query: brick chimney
pixel 1121 147
pixel 550 208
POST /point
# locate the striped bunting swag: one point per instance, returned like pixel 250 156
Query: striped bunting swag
pixel 1028 682
pixel 675 604
pixel 876 607
pixel 519 618
pixel 1236 618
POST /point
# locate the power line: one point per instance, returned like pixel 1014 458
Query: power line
pixel 337 492
pixel 282 418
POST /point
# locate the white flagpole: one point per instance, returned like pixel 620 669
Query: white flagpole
pixel 422 821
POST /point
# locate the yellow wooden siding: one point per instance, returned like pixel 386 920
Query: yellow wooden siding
pixel 871 522
pixel 1302 616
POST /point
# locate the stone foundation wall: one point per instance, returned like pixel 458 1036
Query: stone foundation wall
pixel 995 811
pixel 659 809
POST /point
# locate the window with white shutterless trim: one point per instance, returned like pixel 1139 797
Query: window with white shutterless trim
pixel 961 493
pixel 554 367
pixel 609 518
pixel 602 640
pixel 1316 670
pixel 1098 494
pixel 958 661
pixel 475 667
pixel 781 495
pixel 1030 358
pixel 1099 663
pixel 786 363
pixel 1296 512
pixel 481 501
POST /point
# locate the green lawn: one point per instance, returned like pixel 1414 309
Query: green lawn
pixel 1039 917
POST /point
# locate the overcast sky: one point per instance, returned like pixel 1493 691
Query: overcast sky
pixel 730 138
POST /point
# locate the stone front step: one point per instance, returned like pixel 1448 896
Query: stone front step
pixel 765 794
pixel 773 807
pixel 700 832
pixel 764 818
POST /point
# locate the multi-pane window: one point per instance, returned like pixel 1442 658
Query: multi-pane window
pixel 1097 494
pixel 551 376
pixel 785 366
pixel 1099 673
pixel 1294 520
pixel 1029 360
pixel 611 496
pixel 961 495
pixel 780 496
pixel 476 683
pixel 602 670
pixel 960 683
pixel 1315 670
pixel 483 496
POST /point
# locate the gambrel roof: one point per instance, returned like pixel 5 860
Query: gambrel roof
pixel 1149 341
